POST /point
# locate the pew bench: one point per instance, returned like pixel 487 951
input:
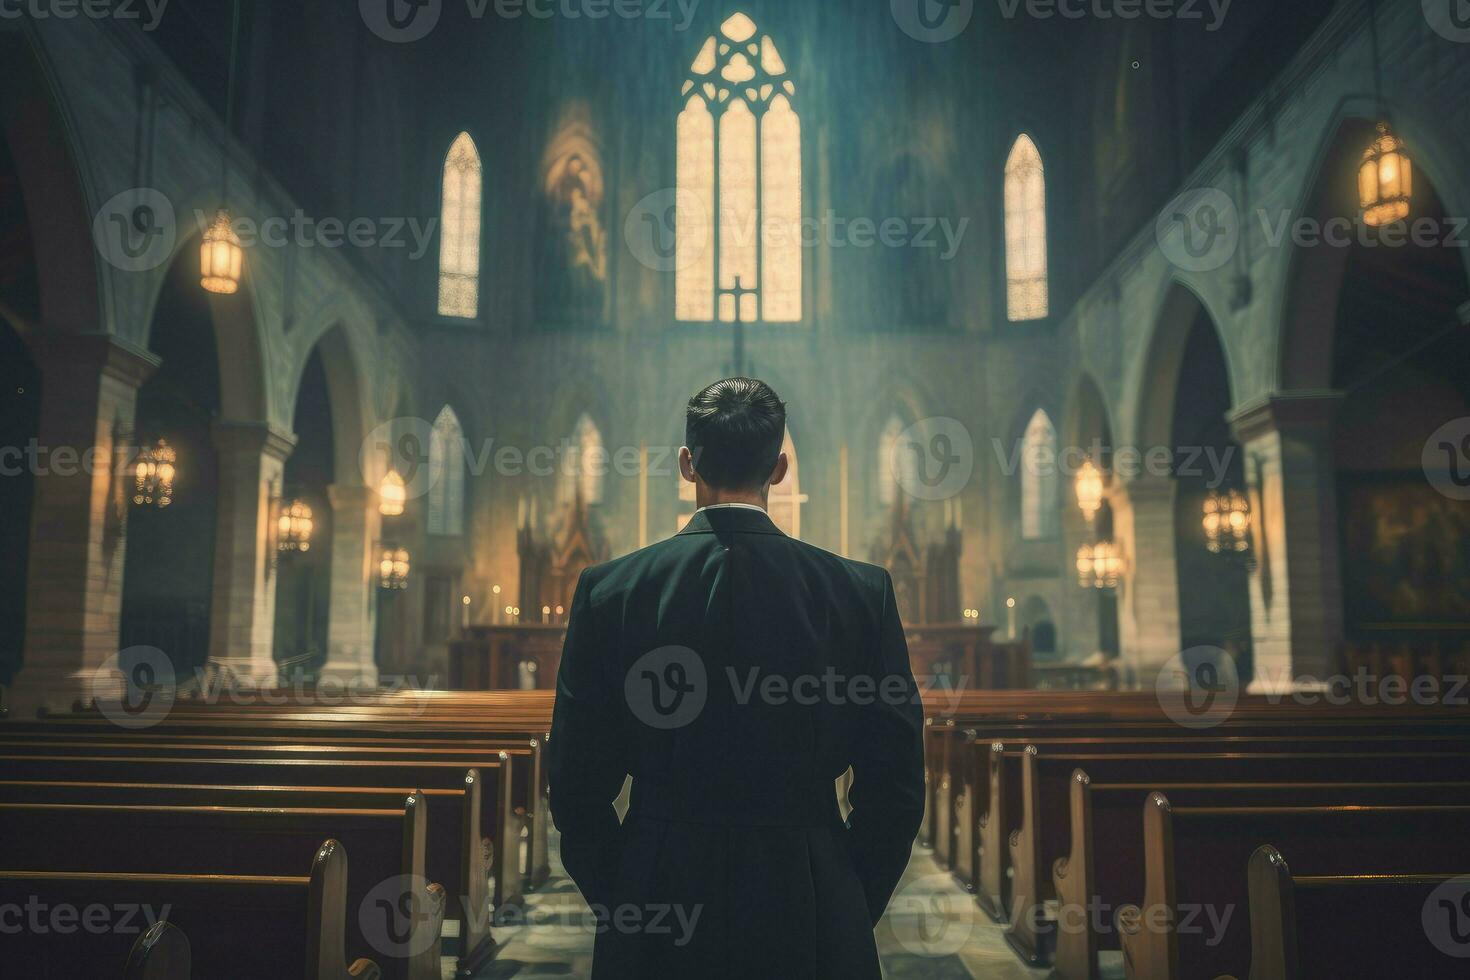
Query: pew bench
pixel 387 848
pixel 457 856
pixel 1324 927
pixel 290 927
pixel 497 820
pixel 1192 920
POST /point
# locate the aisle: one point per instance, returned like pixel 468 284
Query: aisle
pixel 933 930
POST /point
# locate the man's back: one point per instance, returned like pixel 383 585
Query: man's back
pixel 736 673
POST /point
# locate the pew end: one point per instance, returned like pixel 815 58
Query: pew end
pixel 161 953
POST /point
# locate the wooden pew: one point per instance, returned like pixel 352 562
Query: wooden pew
pixel 1342 925
pixel 322 739
pixel 457 856
pixel 1103 865
pixel 1195 859
pixel 387 848
pixel 279 926
pixel 161 953
pixel 956 778
pixel 1001 797
pixel 46 761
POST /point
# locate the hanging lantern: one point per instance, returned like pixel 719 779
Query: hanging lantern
pixel 1385 180
pixel 393 569
pixel 153 477
pixel 220 256
pixel 293 527
pixel 1227 522
pixel 1089 489
pixel 1099 566
pixel 391 495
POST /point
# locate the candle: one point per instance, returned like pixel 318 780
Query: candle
pixel 465 614
pixel 545 615
pixel 1011 617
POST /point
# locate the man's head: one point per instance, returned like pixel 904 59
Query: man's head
pixel 732 439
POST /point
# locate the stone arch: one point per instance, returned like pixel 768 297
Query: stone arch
pixel 42 143
pixel 238 329
pixel 349 393
pixel 1153 407
pixel 1311 279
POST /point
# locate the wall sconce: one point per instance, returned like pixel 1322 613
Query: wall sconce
pixel 392 495
pixel 393 568
pixel 1227 522
pixel 1099 566
pixel 1089 486
pixel 293 527
pixel 153 475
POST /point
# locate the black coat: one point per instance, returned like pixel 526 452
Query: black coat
pixel 736 673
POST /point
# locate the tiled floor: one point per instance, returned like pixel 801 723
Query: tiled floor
pixel 933 930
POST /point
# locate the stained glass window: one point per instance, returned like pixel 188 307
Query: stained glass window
pixel 1039 482
pixel 459 231
pixel 1025 212
pixel 446 475
pixel 738 174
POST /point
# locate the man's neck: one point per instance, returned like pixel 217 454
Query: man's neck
pixel 749 498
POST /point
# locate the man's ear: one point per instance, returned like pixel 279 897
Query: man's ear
pixel 686 464
pixel 778 472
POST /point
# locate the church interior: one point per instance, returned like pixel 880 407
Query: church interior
pixel 1128 336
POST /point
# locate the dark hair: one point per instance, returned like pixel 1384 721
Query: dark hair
pixel 733 430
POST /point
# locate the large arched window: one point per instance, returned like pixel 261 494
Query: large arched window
pixel 738 217
pixel 584 464
pixel 1040 514
pixel 1025 211
pixel 446 475
pixel 897 465
pixel 459 231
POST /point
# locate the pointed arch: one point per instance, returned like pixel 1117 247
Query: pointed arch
pixel 584 464
pixel 738 140
pixel 1027 290
pixel 459 230
pixel 897 468
pixel 1040 508
pixel 446 475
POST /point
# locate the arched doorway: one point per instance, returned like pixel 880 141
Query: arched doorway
pixel 169 564
pixel 1214 588
pixel 304 577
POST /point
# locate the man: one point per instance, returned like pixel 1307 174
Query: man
pixel 735 673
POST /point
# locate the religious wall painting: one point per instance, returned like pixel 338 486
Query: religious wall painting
pixel 1406 557
pixel 571 259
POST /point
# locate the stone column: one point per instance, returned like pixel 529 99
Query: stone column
pixel 252 459
pixel 89 388
pixel 1296 587
pixel 1148 596
pixel 350 621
